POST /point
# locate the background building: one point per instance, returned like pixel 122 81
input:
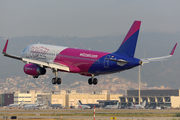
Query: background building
pixel 6 99
pixel 29 97
pixel 70 98
pixel 168 98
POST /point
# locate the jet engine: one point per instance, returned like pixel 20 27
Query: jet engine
pixel 33 69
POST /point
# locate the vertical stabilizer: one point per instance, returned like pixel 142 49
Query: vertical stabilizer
pixel 49 103
pixel 144 103
pixel 132 104
pixel 80 102
pixel 128 45
pixel 36 102
pixel 117 104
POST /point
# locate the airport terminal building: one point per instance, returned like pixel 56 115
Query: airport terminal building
pixel 69 98
pixel 160 98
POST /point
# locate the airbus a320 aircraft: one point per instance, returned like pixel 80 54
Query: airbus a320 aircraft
pixel 138 106
pixel 16 105
pixel 38 57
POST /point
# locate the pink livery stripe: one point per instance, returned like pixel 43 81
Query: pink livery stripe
pixel 78 60
pixel 134 28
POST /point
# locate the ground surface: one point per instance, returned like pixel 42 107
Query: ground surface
pixel 69 114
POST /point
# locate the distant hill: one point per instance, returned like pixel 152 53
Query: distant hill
pixel 149 45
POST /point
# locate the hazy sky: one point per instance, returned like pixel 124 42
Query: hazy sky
pixel 86 18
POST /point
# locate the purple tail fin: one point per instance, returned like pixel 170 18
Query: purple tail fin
pixel 128 45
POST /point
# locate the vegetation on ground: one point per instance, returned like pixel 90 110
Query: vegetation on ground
pixel 102 114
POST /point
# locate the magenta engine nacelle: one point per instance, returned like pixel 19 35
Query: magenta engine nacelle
pixel 33 69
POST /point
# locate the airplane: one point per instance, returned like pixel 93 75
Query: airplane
pixel 112 106
pixel 136 106
pixel 31 106
pixel 16 105
pixel 82 106
pixel 91 105
pixel 54 106
pixel 38 57
pixel 41 104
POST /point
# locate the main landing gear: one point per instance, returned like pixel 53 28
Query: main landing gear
pixel 92 80
pixel 56 79
pixel 35 76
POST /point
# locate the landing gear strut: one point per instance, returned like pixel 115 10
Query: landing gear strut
pixel 92 80
pixel 56 79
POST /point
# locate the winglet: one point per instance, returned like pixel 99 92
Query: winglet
pixel 5 47
pixel 9 55
pixel 172 52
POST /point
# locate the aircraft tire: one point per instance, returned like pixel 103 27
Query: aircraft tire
pixel 58 80
pixel 90 81
pixel 54 80
pixel 35 76
pixel 95 81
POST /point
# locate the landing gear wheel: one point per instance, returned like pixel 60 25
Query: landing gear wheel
pixel 95 81
pixel 35 76
pixel 58 80
pixel 90 81
pixel 54 81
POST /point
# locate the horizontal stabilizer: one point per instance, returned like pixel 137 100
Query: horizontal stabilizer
pixel 147 60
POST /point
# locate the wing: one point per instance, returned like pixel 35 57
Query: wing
pixel 47 64
pixel 40 63
pixel 147 60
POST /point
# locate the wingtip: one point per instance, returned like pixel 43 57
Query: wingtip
pixel 5 47
pixel 172 52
